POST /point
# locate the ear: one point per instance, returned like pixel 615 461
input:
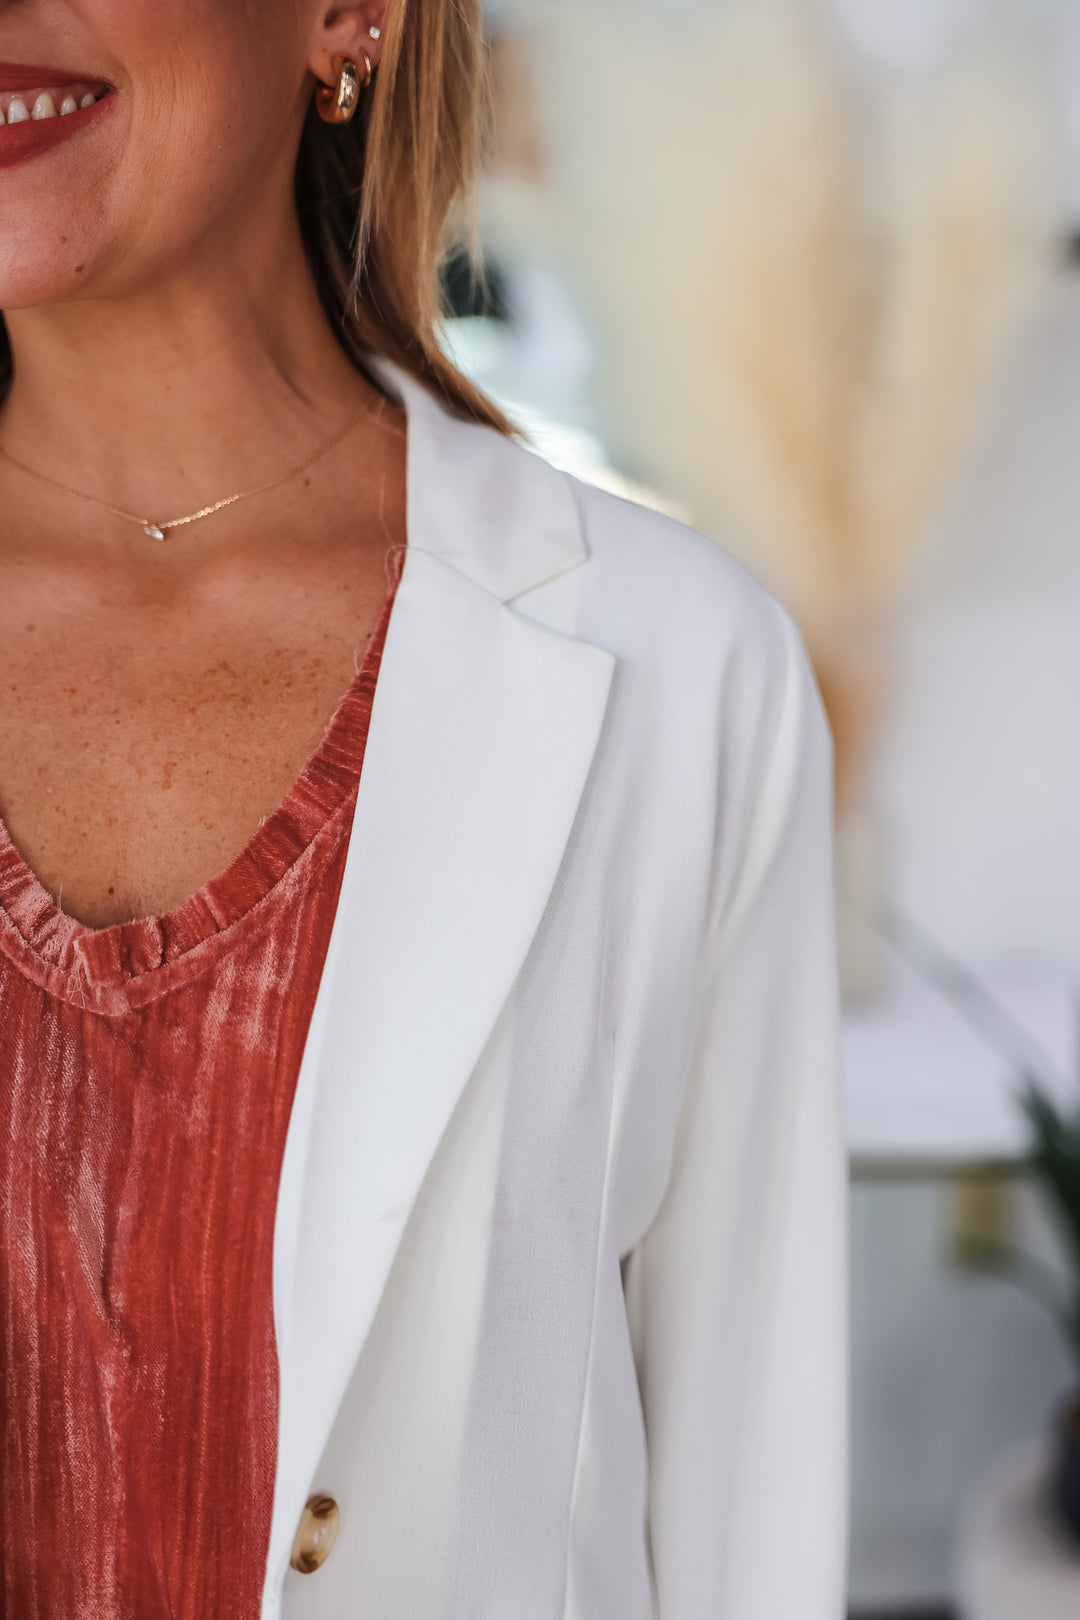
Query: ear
pixel 353 30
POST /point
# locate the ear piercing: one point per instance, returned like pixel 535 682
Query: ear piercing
pixel 337 104
pixel 374 33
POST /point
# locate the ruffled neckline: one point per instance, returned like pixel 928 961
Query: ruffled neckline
pixel 125 964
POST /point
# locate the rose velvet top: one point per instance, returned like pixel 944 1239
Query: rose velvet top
pixel 147 1073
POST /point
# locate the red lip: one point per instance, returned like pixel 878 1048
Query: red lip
pixel 21 142
pixel 17 76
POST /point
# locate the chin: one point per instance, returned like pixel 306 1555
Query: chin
pixel 55 177
pixel 42 264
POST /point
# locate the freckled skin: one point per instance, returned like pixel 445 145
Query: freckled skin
pixel 170 348
pixel 161 701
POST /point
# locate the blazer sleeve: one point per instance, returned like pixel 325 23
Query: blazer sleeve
pixel 737 1292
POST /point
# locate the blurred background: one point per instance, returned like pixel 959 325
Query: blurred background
pixel 806 273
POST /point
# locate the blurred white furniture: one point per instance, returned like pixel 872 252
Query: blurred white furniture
pixel 1013 1562
pixel 932 1081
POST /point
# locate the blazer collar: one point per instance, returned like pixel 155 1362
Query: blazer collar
pixel 485 505
pixel 482 737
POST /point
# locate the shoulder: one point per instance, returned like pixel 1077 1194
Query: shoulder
pixel 714 664
pixel 691 628
pixel 638 549
pixel 672 602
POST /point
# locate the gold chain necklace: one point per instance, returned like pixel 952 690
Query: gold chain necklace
pixel 158 531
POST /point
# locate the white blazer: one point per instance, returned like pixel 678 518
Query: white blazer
pixel 559 1266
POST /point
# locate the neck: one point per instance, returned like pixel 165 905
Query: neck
pixel 197 381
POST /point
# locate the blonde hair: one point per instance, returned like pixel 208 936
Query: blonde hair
pixel 375 197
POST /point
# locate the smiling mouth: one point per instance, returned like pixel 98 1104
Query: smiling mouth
pixel 58 100
pixel 41 107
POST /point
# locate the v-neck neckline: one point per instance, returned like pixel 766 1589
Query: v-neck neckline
pixel 114 967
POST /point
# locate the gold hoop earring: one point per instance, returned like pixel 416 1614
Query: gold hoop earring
pixel 337 104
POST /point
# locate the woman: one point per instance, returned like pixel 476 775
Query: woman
pixel 420 1182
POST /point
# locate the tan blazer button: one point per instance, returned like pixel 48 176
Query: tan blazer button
pixel 316 1534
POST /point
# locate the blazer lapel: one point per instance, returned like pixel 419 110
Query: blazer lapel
pixel 482 737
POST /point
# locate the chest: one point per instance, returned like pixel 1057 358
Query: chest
pixel 148 730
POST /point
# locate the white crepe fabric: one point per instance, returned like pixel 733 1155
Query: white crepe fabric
pixel 560 1258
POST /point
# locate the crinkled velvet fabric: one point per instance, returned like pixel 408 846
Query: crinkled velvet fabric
pixel 147 1073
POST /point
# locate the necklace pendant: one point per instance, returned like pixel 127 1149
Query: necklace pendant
pixel 153 531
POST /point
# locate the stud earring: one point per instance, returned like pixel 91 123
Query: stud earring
pixel 374 33
pixel 337 104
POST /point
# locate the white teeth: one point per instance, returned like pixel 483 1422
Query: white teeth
pixel 42 103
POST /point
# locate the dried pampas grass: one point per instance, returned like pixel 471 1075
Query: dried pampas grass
pixel 782 295
pixel 969 217
pixel 800 291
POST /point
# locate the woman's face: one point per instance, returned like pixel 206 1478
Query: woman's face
pixel 198 112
